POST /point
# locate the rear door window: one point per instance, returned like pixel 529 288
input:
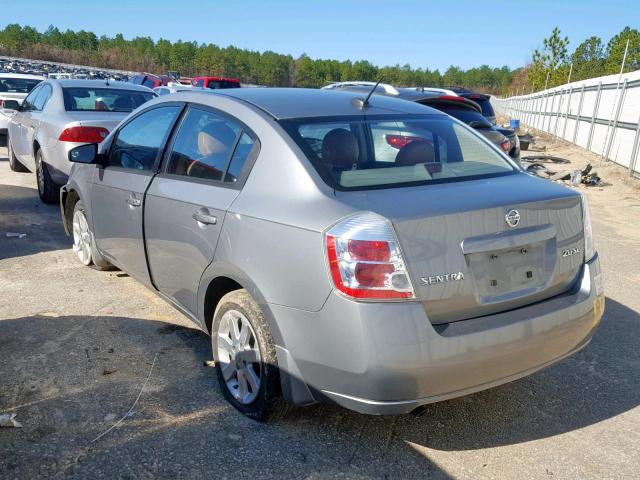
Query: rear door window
pixel 28 102
pixel 42 98
pixel 138 143
pixel 246 151
pixel 203 146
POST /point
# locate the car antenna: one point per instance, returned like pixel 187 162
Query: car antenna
pixel 362 104
pixel 106 81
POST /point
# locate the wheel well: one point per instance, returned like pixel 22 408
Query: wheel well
pixel 70 202
pixel 217 289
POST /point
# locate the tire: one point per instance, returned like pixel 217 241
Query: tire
pixel 48 190
pixel 14 164
pixel 253 359
pixel 84 242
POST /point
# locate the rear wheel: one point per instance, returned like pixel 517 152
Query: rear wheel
pixel 245 356
pixel 14 164
pixel 83 240
pixel 48 190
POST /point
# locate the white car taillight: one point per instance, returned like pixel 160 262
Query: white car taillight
pixel 365 260
pixel 589 249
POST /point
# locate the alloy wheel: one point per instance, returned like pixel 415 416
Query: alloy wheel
pixel 81 237
pixel 238 356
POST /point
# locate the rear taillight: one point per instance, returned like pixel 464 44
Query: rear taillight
pixel 399 141
pixel 505 145
pixel 1 102
pixel 589 248
pixel 84 134
pixel 365 260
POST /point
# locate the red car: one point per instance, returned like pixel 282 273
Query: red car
pixel 215 82
pixel 150 80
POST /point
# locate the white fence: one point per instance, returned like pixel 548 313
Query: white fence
pixel 600 114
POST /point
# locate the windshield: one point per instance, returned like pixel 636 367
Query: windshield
pixel 17 84
pixel 103 99
pixel 355 153
pixel 215 84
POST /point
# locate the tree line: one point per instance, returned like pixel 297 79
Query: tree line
pixel 553 65
pixel 264 68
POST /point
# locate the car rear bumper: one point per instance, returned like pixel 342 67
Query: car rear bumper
pixel 387 358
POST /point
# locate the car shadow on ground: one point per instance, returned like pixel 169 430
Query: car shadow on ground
pixel 22 212
pixel 70 378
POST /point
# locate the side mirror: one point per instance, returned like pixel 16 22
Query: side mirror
pixel 85 154
pixel 10 105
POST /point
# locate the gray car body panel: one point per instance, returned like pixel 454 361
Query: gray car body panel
pixel 371 356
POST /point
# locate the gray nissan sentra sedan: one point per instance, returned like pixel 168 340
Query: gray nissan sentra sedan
pixel 326 269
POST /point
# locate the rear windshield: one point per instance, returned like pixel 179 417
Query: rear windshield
pixel 356 153
pixel 466 116
pixel 103 99
pixel 485 105
pixel 17 85
pixel 222 84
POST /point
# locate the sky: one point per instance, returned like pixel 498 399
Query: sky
pixel 424 33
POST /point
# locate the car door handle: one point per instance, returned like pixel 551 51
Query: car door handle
pixel 204 217
pixel 134 202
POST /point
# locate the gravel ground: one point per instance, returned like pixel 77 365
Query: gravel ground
pixel 76 346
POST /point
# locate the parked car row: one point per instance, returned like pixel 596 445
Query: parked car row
pixel 365 251
pixel 58 71
pixel 174 79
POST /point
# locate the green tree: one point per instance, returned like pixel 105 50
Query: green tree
pixel 588 59
pixel 267 68
pixel 549 60
pixel 615 51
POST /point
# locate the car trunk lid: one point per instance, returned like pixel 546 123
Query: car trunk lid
pixel 108 120
pixel 463 257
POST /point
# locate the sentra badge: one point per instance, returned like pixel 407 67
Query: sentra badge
pixel 447 277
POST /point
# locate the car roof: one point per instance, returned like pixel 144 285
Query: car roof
pixel 99 84
pixel 22 75
pixel 284 103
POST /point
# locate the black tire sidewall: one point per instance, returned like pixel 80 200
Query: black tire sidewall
pixel 14 164
pixel 270 393
pixel 49 192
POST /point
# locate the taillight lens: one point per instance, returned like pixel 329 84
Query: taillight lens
pixel 1 102
pixel 365 260
pixel 399 141
pixel 505 145
pixel 84 134
pixel 589 248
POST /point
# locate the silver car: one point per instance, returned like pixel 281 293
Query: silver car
pixel 59 115
pixel 14 86
pixel 325 274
